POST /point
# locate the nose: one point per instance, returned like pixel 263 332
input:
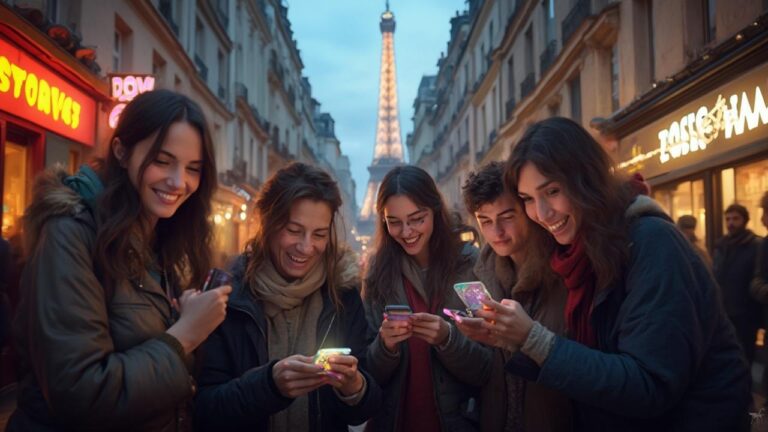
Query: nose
pixel 305 245
pixel 498 229
pixel 543 210
pixel 177 178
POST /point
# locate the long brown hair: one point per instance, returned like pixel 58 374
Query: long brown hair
pixel 566 153
pixel 123 239
pixel 295 182
pixel 444 254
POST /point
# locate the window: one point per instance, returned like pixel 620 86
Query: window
pixel 574 90
pixel 745 185
pixel 549 20
pixel 15 183
pixel 490 34
pixel 685 198
pixel 117 48
pixel 199 39
pixel 511 78
pixel 466 77
pixel 158 69
pixel 615 78
pixel 647 15
pixel 529 50
pixel 710 19
pixel 223 78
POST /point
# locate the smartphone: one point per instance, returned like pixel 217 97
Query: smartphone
pixel 322 356
pixel 216 278
pixel 456 314
pixel 472 294
pixel 397 312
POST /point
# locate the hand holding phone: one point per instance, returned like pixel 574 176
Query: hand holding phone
pixel 324 355
pixel 472 294
pixel 397 312
pixel 216 278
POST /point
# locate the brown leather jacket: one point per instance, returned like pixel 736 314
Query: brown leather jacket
pixel 542 409
pixel 90 361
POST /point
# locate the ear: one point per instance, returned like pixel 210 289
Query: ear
pixel 118 150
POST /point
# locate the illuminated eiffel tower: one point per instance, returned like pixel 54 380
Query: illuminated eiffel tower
pixel 388 151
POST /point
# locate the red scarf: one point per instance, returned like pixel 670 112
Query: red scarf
pixel 573 265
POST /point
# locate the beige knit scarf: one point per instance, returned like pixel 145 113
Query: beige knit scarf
pixel 292 310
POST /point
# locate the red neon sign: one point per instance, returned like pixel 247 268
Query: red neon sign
pixel 34 92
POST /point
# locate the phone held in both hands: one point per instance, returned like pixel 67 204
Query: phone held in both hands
pixel 397 312
pixel 324 354
pixel 216 278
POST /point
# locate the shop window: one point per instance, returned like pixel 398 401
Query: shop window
pixel 15 183
pixel 685 198
pixel 745 185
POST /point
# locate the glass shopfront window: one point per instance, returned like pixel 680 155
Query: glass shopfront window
pixel 15 184
pixel 745 185
pixel 685 198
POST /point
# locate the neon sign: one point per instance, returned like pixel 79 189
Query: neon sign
pixel 695 131
pixel 124 88
pixel 30 90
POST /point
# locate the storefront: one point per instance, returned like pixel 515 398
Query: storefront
pixel 48 113
pixel 709 151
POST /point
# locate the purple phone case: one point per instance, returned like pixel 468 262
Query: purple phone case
pixel 216 278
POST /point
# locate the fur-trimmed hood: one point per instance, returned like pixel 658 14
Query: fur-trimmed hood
pixel 57 193
pixel 643 205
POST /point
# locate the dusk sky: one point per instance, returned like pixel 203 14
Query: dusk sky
pixel 340 45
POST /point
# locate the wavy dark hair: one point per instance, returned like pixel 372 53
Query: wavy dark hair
pixel 295 182
pixel 485 186
pixel 444 247
pixel 566 153
pixel 123 242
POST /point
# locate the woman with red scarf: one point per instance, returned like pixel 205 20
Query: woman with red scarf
pixel 648 346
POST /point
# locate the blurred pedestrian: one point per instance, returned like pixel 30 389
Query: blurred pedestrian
pixel 649 346
pixel 429 371
pixel 687 225
pixel 734 267
pixel 295 292
pixel 104 330
pixel 759 287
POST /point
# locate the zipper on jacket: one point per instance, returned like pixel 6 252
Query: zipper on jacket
pixel 255 321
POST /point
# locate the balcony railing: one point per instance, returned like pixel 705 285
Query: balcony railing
pixel 510 107
pixel 548 56
pixel 573 20
pixel 202 69
pixel 528 84
pixel 221 15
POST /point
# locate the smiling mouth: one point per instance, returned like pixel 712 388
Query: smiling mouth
pixel 298 260
pixel 167 198
pixel 411 241
pixel 557 226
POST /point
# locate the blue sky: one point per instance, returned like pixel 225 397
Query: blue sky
pixel 340 45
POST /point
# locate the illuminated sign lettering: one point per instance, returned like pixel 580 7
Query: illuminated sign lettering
pixel 123 88
pixel 695 131
pixel 30 90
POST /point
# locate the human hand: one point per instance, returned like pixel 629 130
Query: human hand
pixel 298 375
pixel 200 314
pixel 507 321
pixel 344 374
pixel 473 328
pixel 431 328
pixel 393 332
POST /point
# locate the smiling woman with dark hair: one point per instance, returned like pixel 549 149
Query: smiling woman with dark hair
pixel 648 344
pixel 105 330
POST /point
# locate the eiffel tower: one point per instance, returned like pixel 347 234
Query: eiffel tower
pixel 388 151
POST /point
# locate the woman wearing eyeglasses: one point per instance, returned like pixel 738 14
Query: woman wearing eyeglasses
pixel 426 368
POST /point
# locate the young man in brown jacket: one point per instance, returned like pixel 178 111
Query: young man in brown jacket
pixel 509 271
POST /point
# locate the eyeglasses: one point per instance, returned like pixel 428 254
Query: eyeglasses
pixel 395 226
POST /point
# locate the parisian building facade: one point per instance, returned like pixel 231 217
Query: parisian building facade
pixel 643 76
pixel 237 58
